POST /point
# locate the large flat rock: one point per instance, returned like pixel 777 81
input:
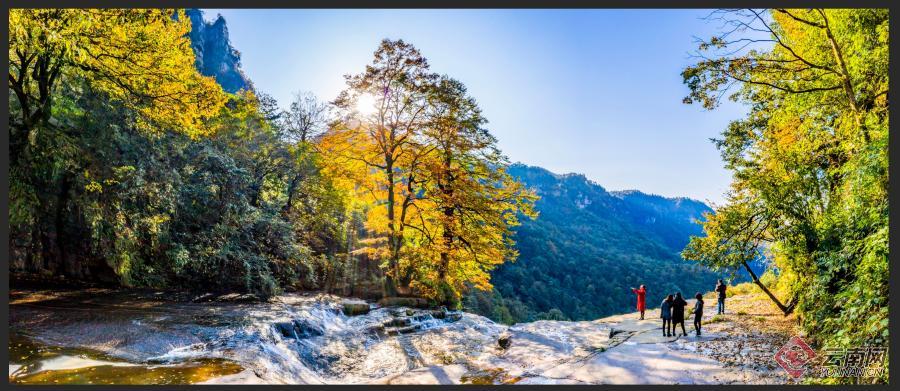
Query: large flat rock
pixel 434 374
pixel 647 363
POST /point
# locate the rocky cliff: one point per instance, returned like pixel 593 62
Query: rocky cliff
pixel 215 55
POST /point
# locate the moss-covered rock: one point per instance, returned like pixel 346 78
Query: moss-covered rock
pixel 416 302
pixel 352 308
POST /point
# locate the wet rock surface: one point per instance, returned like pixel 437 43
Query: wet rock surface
pixel 311 339
pixel 416 302
pixel 355 307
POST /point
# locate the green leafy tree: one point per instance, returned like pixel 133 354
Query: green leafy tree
pixel 58 60
pixel 810 160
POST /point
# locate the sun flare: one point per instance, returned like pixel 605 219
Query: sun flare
pixel 366 104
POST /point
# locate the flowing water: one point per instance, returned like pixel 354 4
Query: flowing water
pixel 101 336
pixel 96 336
pixel 126 337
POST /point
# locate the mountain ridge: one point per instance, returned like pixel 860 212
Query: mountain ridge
pixel 588 246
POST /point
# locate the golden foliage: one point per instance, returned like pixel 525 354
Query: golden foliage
pixel 141 58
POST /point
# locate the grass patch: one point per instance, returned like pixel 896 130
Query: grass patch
pixel 741 289
pixel 716 319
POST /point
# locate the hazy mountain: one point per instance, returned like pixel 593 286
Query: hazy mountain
pixel 666 219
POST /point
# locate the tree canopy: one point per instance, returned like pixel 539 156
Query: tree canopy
pixel 430 178
pixel 810 160
pixel 129 166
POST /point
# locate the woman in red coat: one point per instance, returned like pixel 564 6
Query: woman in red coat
pixel 641 295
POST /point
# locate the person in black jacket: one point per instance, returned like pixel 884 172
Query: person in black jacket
pixel 698 312
pixel 665 312
pixel 720 287
pixel 678 313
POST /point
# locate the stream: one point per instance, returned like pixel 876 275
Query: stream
pixel 120 337
pixel 97 336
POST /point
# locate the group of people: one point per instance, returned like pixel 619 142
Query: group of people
pixel 672 309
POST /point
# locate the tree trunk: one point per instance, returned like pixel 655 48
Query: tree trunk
pixel 48 249
pixel 35 263
pixel 444 266
pixel 393 262
pixel 449 211
pixel 68 264
pixel 785 309
pixel 846 82
pixel 256 190
pixel 389 287
pixel 292 189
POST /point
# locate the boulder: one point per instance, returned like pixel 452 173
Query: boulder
pixel 352 308
pixel 238 298
pixel 286 329
pixel 440 313
pixel 377 329
pixel 404 330
pixel 204 298
pixel 422 317
pixel 398 322
pixel 306 329
pixel 299 329
pixel 504 341
pixel 416 302
pixel 453 317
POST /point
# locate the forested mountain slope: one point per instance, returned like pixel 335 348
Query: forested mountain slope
pixel 588 246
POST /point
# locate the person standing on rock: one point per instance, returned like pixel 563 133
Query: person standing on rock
pixel 678 313
pixel 641 296
pixel 720 287
pixel 698 312
pixel 665 312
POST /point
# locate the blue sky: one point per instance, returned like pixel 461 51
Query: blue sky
pixel 596 92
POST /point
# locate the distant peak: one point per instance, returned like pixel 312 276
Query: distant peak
pixel 638 193
pixel 214 54
pixel 219 22
pixel 570 176
pixel 520 169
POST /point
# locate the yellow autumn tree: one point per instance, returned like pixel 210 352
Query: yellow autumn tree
pixel 141 58
pixel 381 141
pixel 430 178
pixel 474 203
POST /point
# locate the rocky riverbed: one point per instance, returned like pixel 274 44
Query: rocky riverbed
pixel 105 336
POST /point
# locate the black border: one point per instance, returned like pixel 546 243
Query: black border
pixel 894 144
